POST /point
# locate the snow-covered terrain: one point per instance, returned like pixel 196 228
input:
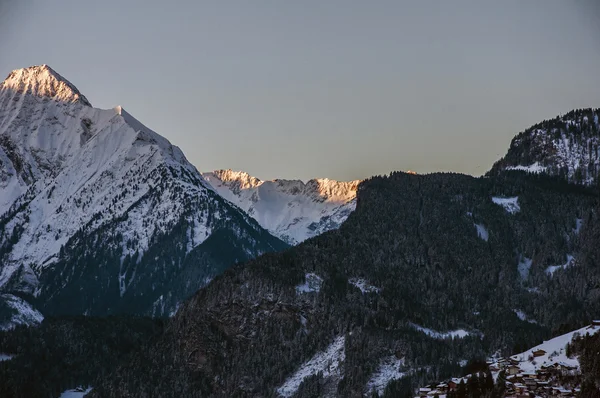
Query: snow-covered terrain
pixel 555 351
pixel 553 268
pixel 482 232
pixel 76 393
pixel 329 362
pixel 566 146
pixel 523 267
pixel 532 168
pixel 511 205
pixel 363 285
pixel 451 334
pixel 22 312
pixel 312 283
pixel 290 209
pixel 389 369
pixel 68 169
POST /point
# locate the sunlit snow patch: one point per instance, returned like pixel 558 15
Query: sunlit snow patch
pixel 511 205
pixel 312 283
pixel 459 333
pixel 328 362
pixel 553 268
pixel 482 232
pixel 363 285
pixel 389 369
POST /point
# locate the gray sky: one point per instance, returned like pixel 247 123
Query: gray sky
pixel 339 89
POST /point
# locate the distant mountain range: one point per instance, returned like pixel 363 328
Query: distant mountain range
pixel 290 209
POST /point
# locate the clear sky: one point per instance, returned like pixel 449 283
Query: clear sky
pixel 340 89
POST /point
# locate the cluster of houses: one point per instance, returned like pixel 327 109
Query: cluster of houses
pixel 543 371
pixel 553 379
pixel 557 379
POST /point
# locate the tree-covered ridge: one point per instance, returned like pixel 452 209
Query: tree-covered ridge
pixel 566 146
pixel 415 238
pixel 67 352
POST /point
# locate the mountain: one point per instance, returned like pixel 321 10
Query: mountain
pixel 290 209
pixel 100 214
pixel 428 272
pixel 566 146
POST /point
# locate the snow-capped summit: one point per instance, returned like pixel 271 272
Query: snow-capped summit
pixel 91 196
pixel 42 81
pixel 290 209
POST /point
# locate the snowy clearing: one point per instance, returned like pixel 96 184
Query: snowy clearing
pixel 522 316
pixel 363 285
pixel 523 267
pixel 553 268
pixel 511 205
pixel 389 369
pixel 482 232
pixel 451 334
pixel 312 283
pixel 78 392
pixel 6 357
pixel 532 168
pixel 328 362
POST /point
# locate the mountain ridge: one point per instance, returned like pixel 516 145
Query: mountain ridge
pixel 290 209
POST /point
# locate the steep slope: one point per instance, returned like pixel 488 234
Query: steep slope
pixel 94 205
pixel 406 287
pixel 290 209
pixel 566 146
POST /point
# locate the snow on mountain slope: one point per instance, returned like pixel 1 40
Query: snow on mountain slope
pixel 67 169
pixel 290 209
pixel 17 312
pixel 555 351
pixel 566 146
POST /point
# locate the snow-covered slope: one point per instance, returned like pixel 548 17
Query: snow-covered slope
pixel 16 311
pixel 290 209
pixel 555 351
pixel 68 170
pixel 566 146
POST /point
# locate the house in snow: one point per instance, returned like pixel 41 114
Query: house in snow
pixel 539 353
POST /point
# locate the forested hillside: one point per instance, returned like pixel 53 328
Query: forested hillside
pixel 499 263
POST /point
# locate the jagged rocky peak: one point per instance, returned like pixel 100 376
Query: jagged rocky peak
pixel 567 146
pixel 43 81
pixel 324 187
pixel 241 179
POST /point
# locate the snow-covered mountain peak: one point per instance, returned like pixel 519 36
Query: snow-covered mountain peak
pixel 235 179
pixel 43 81
pixel 290 209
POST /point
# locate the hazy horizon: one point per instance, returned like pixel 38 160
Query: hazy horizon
pixel 343 90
